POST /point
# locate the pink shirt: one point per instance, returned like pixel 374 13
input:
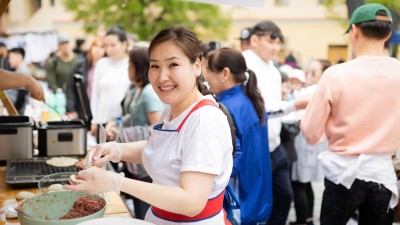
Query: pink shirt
pixel 357 106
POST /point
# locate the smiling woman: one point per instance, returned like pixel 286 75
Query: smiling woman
pixel 173 76
pixel 189 155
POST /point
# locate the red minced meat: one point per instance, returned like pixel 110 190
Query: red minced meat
pixel 84 207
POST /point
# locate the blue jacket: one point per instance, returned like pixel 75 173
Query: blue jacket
pixel 252 158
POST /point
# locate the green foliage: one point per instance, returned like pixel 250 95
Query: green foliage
pixel 147 17
pixel 390 4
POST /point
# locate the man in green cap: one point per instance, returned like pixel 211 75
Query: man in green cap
pixel 357 107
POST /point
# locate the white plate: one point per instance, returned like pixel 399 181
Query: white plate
pixel 115 220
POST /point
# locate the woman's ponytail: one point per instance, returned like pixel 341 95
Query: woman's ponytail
pixel 254 94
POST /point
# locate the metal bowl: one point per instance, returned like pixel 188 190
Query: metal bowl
pixel 55 178
pixel 53 205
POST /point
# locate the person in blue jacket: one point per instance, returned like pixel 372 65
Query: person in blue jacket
pixel 235 86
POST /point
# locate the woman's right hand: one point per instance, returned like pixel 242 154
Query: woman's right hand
pixel 101 154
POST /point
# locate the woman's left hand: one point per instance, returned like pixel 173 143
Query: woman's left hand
pixel 97 182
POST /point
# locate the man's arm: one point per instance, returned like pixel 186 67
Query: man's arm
pixel 317 112
pixel 10 80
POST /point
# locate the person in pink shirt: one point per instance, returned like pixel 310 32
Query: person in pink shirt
pixel 357 107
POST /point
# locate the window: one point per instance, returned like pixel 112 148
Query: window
pixel 52 3
pixel 37 4
pixel 281 2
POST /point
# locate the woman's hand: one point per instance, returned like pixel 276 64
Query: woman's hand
pixel 96 181
pixel 111 131
pixel 94 130
pixel 101 154
pixel 35 88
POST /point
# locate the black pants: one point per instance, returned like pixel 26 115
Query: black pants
pixel 281 187
pixel 303 201
pixel 371 199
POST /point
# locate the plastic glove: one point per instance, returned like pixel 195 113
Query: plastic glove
pixel 97 182
pixel 101 154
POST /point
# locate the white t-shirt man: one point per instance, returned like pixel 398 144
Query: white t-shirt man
pixel 270 84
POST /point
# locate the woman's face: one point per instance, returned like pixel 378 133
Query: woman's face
pixel 114 48
pixel 173 76
pixel 215 81
pixel 313 73
pixel 132 72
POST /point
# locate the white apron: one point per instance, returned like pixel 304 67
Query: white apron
pixel 158 158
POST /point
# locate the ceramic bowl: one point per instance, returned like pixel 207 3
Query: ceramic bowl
pixel 52 206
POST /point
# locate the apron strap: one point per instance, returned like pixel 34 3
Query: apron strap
pixel 212 208
pixel 201 103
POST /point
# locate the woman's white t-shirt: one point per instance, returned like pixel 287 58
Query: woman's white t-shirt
pixel 110 83
pixel 203 145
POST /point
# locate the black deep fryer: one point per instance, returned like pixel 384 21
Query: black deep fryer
pixel 24 173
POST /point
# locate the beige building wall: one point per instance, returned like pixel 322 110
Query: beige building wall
pixel 23 16
pixel 305 24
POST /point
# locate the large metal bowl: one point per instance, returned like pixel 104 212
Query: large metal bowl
pixel 52 206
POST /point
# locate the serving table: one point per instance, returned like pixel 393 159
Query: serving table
pixel 115 206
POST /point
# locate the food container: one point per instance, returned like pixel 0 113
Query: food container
pixel 16 137
pixel 52 180
pixel 54 205
pixel 62 138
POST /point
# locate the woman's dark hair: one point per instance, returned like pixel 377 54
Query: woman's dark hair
pixel 139 58
pixel 119 32
pixel 324 64
pixel 235 62
pixel 377 29
pixel 187 41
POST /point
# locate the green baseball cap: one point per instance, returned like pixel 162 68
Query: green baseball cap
pixel 368 12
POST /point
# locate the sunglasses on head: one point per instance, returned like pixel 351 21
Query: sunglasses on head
pixel 272 35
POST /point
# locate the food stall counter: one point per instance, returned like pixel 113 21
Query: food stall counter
pixel 115 206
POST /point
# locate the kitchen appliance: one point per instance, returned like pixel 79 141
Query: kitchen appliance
pixel 62 138
pixel 24 173
pixel 16 137
pixel 84 110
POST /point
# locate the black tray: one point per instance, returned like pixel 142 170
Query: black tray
pixel 24 173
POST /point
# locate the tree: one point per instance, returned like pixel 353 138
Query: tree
pixel 147 17
pixel 390 4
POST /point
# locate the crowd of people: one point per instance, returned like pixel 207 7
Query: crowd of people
pixel 188 119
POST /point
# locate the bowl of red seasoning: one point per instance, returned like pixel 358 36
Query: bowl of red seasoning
pixel 61 208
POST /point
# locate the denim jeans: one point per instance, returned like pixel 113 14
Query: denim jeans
pixel 371 199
